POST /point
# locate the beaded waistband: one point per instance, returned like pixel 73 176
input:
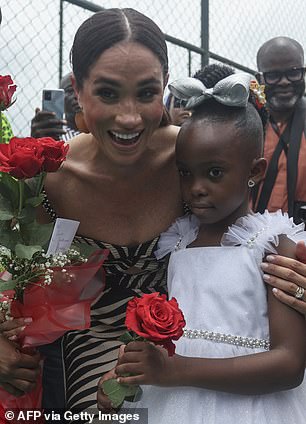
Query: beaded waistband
pixel 249 342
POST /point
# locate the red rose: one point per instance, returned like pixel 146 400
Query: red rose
pixel 156 319
pixel 21 158
pixel 54 153
pixel 7 89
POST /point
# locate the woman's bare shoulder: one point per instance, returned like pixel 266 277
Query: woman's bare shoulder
pixel 78 145
pixel 166 134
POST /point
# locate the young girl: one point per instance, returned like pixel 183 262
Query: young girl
pixel 242 350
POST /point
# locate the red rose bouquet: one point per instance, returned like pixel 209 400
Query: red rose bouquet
pixel 150 318
pixel 55 290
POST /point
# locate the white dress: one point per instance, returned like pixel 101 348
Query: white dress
pixel 224 301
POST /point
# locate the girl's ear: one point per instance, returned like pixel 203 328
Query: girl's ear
pixel 258 170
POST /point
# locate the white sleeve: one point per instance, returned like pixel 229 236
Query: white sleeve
pixel 178 236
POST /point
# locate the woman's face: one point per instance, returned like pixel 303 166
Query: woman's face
pixel 122 100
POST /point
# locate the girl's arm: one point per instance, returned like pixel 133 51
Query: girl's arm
pixel 281 368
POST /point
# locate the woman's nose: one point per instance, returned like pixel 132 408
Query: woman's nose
pixel 128 116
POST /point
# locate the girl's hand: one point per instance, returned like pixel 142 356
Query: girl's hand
pixel 11 329
pixel 103 400
pixel 286 275
pixel 148 364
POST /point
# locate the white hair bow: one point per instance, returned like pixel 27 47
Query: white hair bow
pixel 230 91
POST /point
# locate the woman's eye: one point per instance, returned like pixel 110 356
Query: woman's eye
pixel 107 94
pixel 183 173
pixel 147 94
pixel 215 173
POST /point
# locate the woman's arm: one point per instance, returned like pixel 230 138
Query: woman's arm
pixel 281 368
pixel 286 275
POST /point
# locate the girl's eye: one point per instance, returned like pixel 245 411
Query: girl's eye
pixel 215 173
pixel 184 173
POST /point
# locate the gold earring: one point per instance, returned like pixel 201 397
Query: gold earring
pixel 251 183
pixel 80 122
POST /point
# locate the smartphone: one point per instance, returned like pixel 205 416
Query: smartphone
pixel 53 101
pixel 179 103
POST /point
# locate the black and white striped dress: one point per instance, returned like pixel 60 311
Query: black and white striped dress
pixel 88 354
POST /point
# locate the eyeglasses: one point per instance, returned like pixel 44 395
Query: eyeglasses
pixel 292 75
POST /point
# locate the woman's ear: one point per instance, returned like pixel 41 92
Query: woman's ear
pixel 258 170
pixel 74 86
pixel 166 79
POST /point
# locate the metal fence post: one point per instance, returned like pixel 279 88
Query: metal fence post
pixel 205 31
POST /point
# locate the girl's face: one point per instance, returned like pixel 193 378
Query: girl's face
pixel 214 171
pixel 122 100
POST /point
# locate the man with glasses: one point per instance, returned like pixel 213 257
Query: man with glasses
pixel 280 62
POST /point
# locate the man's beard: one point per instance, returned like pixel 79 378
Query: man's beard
pixel 278 103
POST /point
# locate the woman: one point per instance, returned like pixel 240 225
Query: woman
pixel 119 180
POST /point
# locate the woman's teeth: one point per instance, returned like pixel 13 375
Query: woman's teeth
pixel 125 139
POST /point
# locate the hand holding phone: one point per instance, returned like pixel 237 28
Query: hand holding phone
pixel 53 101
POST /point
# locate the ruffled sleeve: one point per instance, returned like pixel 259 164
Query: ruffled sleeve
pixel 262 231
pixel 178 236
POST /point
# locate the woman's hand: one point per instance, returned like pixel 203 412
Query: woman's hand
pixel 288 278
pixel 11 329
pixel 18 371
pixel 148 364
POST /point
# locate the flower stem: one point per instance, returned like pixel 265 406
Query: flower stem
pixel 21 193
pixel 40 183
pixel 1 135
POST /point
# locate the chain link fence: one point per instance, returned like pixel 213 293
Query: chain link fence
pixel 36 37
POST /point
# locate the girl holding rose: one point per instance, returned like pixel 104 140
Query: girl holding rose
pixel 242 355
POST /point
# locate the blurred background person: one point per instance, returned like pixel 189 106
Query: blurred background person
pixel 281 67
pixel 178 114
pixel 46 124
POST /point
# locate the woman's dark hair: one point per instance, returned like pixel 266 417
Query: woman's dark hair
pixel 111 26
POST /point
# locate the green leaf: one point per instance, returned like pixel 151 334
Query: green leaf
pixel 9 189
pixel 8 237
pixel 6 209
pixel 136 396
pixel 118 392
pixel 7 285
pixel 26 252
pixel 34 201
pixel 126 338
pixel 36 234
pixel 84 249
pixel 27 215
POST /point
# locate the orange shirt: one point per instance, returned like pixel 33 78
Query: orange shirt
pixel 279 198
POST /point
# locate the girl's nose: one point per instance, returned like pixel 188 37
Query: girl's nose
pixel 198 188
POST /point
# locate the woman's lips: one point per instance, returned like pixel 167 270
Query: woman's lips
pixel 125 139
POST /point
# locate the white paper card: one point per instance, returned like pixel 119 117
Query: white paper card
pixel 62 236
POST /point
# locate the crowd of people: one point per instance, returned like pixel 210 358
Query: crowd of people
pixel 129 175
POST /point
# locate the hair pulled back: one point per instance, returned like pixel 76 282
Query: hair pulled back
pixel 108 27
